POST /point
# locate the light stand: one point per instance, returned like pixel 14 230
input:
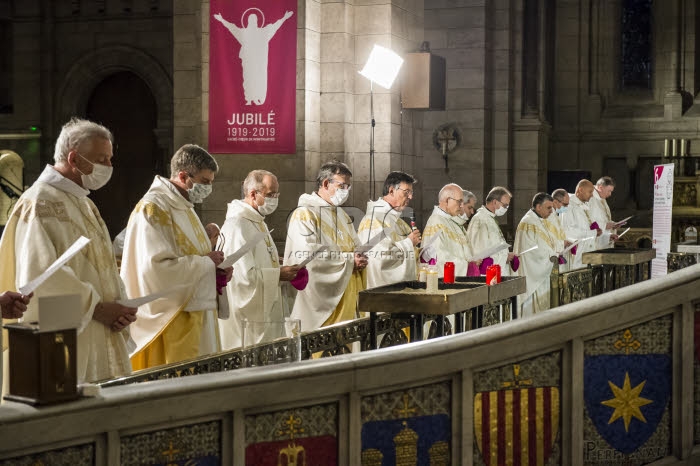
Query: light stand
pixel 382 67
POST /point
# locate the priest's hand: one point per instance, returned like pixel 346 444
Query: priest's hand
pixel 13 304
pixel 114 315
pixel 216 256
pixel 415 237
pixel 567 244
pixel 598 232
pixel 229 273
pixel 614 237
pixel 288 272
pixel 612 225
pixel 511 255
pixel 360 261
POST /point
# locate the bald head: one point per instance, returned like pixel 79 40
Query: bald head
pixel 451 198
pixel 584 190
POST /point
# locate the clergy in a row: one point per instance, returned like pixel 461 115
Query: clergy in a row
pixel 445 238
pixel 46 220
pixel 166 246
pixel 536 265
pixel 336 275
pixel 394 258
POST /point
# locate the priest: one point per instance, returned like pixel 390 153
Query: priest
pixel 47 219
pixel 254 292
pixel 393 259
pixel 485 233
pixel 600 212
pixel 167 248
pixel 335 275
pixel 536 265
pixel 560 203
pixel 578 224
pixel 444 237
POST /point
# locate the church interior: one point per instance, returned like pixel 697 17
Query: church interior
pixel 531 95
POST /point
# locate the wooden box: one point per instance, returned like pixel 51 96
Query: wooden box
pixel 42 365
pixel 423 81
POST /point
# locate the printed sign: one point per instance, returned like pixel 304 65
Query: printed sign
pixel 252 76
pixel 663 210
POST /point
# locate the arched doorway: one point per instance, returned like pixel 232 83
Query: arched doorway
pixel 124 103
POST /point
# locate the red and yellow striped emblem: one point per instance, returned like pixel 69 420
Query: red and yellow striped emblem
pixel 516 427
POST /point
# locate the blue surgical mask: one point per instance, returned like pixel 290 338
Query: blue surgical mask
pixel 562 209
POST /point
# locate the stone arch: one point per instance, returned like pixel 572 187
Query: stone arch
pixel 87 72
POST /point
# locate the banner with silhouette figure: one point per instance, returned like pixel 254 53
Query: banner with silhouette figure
pixel 252 76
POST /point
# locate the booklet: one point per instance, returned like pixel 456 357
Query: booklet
pixel 53 268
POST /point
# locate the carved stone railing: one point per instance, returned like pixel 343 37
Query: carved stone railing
pixel 450 400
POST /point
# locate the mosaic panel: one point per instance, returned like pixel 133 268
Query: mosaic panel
pixel 696 371
pixel 627 395
pixel 407 427
pixel 82 455
pixel 301 436
pixel 192 444
pixel 517 413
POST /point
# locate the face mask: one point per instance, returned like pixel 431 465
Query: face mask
pixel 340 196
pixel 269 206
pixel 501 211
pixel 198 192
pixel 562 209
pixel 99 177
pixel 464 217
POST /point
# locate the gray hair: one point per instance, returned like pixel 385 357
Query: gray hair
pixel 254 181
pixel 496 194
pixel 559 194
pixel 75 133
pixel 605 181
pixel 447 190
pixel 468 195
pixel 192 159
pixel 329 169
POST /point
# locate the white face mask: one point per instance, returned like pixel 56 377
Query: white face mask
pixel 269 206
pixel 198 192
pixel 501 211
pixel 340 196
pixel 464 216
pixel 562 209
pixel 99 177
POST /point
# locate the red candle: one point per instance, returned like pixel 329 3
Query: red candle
pixel 448 275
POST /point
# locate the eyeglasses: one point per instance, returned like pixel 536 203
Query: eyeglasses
pixel 459 201
pixel 504 205
pixel 409 192
pixel 340 184
pixel 270 195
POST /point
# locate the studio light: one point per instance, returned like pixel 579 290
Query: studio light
pixel 382 67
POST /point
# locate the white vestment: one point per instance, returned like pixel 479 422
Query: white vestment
pixel 47 219
pixel 536 265
pixel 393 259
pixel 452 244
pixel 254 291
pixel 577 226
pixel 166 246
pixel 556 228
pixel 484 233
pixel 312 224
pixel 600 212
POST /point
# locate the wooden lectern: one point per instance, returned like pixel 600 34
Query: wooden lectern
pixel 42 364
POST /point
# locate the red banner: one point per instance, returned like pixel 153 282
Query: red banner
pixel 252 76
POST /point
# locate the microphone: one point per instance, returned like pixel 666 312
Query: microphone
pixel 413 222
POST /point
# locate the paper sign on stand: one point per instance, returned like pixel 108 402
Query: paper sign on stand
pixel 663 211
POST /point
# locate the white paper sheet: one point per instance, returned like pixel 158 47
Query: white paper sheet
pixel 374 240
pixel 623 221
pixel 620 235
pixel 59 312
pixel 60 262
pixel 527 250
pixel 137 302
pixel 575 243
pixel 247 247
pixel 490 251
pixel 313 256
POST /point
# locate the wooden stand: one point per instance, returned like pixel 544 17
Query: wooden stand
pixel 42 365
